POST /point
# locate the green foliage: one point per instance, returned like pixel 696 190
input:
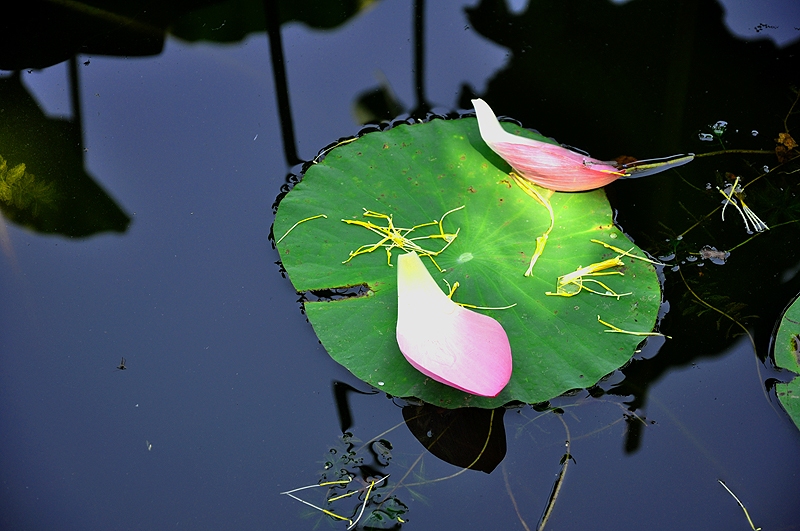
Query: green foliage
pixel 23 191
pixel 416 173
pixel 787 356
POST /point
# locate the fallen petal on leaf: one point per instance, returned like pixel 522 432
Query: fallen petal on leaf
pixel 556 167
pixel 444 341
pixel 545 164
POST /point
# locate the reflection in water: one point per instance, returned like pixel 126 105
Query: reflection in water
pixel 468 437
pixel 613 109
pixel 44 185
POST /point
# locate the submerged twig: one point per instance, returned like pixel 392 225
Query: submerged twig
pixel 559 481
pixel 707 305
pixel 451 476
pixel 728 151
pixel 513 499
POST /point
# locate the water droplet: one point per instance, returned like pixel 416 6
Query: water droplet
pixel 754 132
pixel 705 137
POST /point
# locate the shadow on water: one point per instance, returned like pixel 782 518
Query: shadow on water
pixel 43 181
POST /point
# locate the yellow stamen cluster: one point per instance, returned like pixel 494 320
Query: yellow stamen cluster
pixel 352 523
pixel 733 192
pixel 573 283
pixel 397 237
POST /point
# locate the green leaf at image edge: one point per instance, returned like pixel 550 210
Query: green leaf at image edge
pixel 787 356
pixel 416 173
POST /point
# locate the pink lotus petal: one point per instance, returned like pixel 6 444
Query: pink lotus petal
pixel 548 165
pixel 444 341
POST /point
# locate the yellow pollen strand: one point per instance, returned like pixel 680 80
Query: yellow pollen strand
pixel 615 329
pixel 298 223
pixel 393 237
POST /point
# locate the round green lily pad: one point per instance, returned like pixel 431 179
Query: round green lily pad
pixel 787 356
pixel 415 174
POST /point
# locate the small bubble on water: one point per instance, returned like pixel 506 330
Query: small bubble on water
pixel 754 132
pixel 705 137
pixel 766 169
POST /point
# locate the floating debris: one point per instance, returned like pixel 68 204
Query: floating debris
pixel 719 127
pixel 715 256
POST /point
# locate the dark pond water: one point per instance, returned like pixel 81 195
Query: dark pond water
pixel 227 398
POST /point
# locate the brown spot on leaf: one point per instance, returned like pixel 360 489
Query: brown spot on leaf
pixel 796 346
pixel 471 190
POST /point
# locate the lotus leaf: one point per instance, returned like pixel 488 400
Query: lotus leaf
pixel 417 172
pixel 787 356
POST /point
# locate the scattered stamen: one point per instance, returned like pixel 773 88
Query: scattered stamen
pixel 530 189
pixel 573 283
pixel 298 223
pixel 752 525
pixel 615 329
pixel 452 289
pixel 396 237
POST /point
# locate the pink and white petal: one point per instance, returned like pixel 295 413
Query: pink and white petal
pixel 444 341
pixel 557 168
pixel 548 165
